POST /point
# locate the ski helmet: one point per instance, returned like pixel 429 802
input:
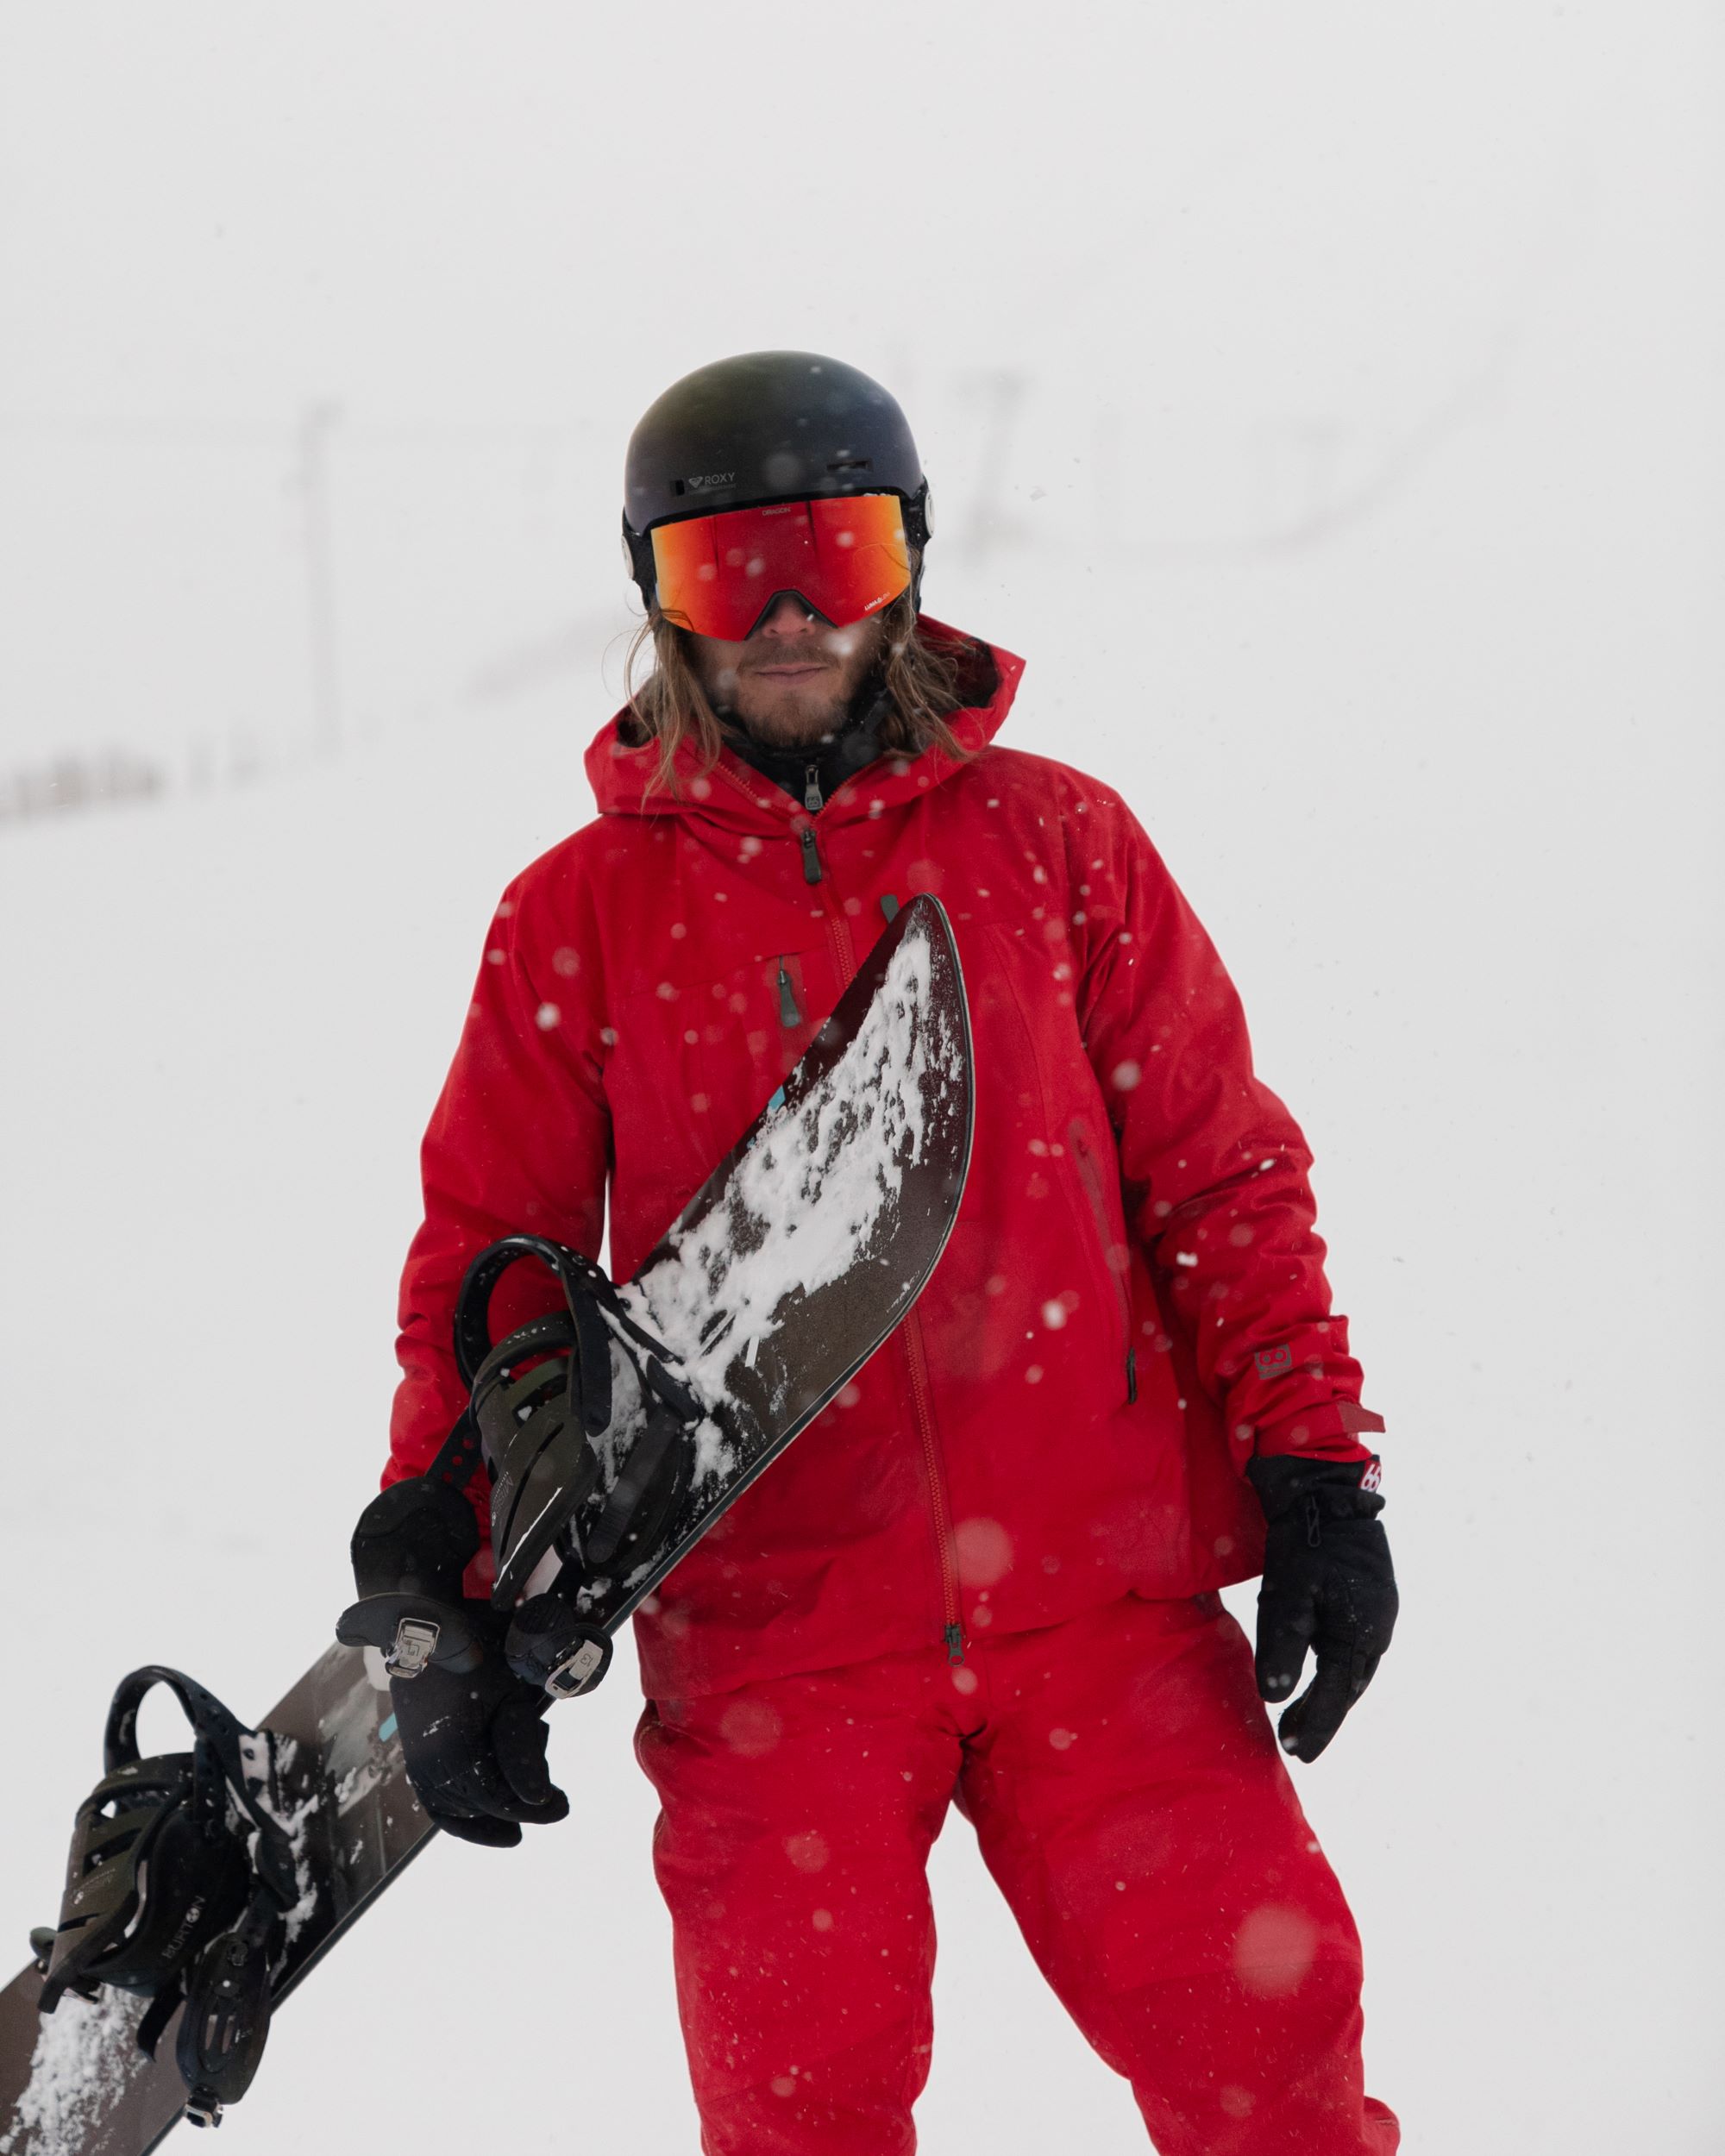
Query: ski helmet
pixel 768 428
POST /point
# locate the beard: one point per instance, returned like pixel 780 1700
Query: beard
pixel 800 712
pixel 793 717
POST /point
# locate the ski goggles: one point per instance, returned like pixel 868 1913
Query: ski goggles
pixel 845 556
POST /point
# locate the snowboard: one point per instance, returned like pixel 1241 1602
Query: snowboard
pixel 784 1273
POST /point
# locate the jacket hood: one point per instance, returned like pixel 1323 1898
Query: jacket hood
pixel 622 774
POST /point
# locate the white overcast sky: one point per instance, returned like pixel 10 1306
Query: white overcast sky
pixel 1197 276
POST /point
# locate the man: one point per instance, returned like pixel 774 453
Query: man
pixel 988 1573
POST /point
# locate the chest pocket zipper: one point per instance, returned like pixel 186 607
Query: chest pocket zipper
pixel 1090 1175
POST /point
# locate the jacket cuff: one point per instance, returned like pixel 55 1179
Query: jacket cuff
pixel 1331 1432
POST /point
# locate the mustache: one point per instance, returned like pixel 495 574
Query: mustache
pixel 813 657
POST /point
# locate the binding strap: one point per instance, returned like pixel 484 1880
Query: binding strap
pixel 154 1870
pixel 542 1399
pixel 587 1291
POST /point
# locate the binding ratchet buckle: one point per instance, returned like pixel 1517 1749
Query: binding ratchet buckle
pixel 576 1671
pixel 416 1641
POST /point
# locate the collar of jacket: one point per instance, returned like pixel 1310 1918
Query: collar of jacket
pixel 840 756
pixel 732 793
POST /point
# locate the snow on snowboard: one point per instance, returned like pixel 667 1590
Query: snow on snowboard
pixel 783 1273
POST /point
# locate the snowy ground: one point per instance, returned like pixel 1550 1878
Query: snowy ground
pixel 1436 760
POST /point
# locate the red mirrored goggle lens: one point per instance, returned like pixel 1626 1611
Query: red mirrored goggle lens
pixel 846 556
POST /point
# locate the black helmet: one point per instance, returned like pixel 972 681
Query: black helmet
pixel 767 427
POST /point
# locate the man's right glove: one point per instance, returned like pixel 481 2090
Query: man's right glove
pixel 1329 1584
pixel 475 1737
pixel 472 1731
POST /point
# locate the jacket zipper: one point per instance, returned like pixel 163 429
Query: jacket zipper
pixel 814 871
pixel 814 804
pixel 1091 1178
pixel 952 1629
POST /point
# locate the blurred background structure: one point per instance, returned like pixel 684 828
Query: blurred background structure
pixel 1326 403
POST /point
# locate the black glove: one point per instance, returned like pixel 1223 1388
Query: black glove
pixel 1329 1584
pixel 474 1741
pixel 472 1731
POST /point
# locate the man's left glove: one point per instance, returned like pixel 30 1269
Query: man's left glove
pixel 1329 1584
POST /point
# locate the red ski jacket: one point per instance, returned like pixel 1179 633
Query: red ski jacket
pixel 1133 1298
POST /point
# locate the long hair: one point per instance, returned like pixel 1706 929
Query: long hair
pixel 922 679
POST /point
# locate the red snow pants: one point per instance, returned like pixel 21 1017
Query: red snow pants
pixel 1131 1805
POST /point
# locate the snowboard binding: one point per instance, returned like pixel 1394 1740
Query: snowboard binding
pixel 177 1888
pixel 587 1439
